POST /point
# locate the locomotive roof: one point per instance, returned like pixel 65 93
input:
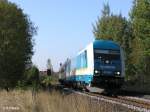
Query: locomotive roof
pixel 102 44
pixel 105 44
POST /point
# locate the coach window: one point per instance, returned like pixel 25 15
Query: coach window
pixel 84 57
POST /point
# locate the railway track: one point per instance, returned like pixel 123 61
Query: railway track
pixel 142 103
pixel 128 102
pixel 133 104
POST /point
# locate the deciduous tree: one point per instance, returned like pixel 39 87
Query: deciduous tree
pixel 140 20
pixel 16 43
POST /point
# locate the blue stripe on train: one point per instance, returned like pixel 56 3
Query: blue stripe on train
pixel 82 78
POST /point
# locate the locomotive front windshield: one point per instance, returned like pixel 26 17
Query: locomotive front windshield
pixel 106 56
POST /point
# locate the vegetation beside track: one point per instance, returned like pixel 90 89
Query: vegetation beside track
pixel 54 101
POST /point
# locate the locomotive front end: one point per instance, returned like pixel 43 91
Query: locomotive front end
pixel 108 72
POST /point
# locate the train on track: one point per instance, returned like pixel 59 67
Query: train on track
pixel 100 64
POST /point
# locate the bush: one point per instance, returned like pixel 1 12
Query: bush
pixel 30 79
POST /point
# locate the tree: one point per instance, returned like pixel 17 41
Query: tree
pixel 99 29
pixel 3 0
pixel 16 43
pixel 112 27
pixel 140 20
pixel 116 28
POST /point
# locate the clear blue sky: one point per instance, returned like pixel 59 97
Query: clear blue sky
pixel 65 26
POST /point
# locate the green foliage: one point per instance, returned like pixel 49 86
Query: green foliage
pixel 21 85
pixel 16 44
pixel 31 79
pixel 32 76
pixel 46 80
pixel 112 27
pixel 140 19
pixel 101 26
pixel 3 0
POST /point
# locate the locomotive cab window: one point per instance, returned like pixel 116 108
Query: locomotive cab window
pixel 106 56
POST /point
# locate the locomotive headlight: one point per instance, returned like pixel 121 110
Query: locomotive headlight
pixel 96 71
pixel 118 73
pixel 107 61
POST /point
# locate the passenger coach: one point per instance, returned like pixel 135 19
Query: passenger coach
pixel 100 64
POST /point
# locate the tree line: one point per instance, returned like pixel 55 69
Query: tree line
pixel 133 34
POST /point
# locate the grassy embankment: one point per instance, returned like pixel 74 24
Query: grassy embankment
pixel 25 101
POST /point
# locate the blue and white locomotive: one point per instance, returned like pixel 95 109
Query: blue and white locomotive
pixel 100 64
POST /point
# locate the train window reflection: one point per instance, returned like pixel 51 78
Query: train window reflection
pixel 106 57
